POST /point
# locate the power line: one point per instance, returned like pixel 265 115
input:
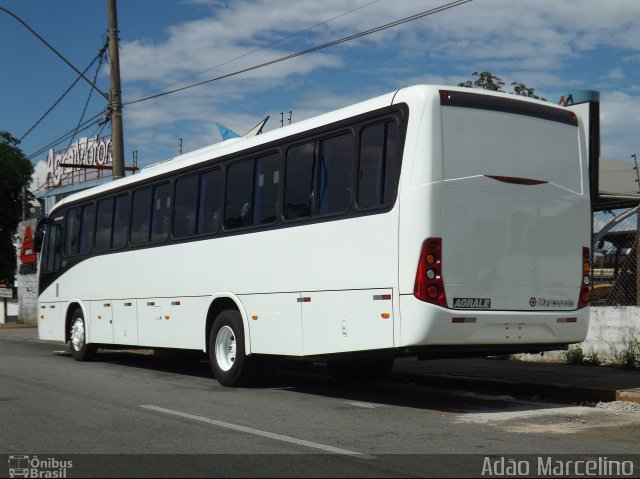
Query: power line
pixel 55 51
pixel 273 43
pixel 100 54
pixel 87 124
pixel 311 50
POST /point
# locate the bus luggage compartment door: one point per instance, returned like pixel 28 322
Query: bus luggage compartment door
pixel 351 320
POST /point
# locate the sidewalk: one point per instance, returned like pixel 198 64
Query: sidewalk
pixel 561 382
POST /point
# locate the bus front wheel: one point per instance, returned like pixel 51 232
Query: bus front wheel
pixel 230 365
pixel 80 350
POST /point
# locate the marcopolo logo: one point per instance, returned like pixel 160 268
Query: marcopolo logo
pixel 26 466
pixel 554 303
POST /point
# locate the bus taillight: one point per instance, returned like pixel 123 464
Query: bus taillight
pixel 429 286
pixel 585 293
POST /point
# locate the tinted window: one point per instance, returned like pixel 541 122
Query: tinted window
pixel 52 249
pixel 161 213
pixel 72 230
pixel 184 213
pixel 266 185
pixel 378 165
pixel 237 210
pixel 209 207
pixel 299 198
pixel 104 223
pixel 335 176
pixel 87 223
pixel 121 216
pixel 140 216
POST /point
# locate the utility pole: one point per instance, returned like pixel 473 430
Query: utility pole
pixel 115 95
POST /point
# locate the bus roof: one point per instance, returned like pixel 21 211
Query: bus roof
pixel 236 145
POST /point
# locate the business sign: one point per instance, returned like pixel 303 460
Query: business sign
pixel 94 151
pixel 6 293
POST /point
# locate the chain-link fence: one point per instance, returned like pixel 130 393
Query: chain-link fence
pixel 615 257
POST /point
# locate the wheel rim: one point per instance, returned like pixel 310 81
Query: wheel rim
pixel 225 348
pixel 77 334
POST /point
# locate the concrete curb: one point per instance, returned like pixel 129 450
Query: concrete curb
pixel 18 325
pixel 550 391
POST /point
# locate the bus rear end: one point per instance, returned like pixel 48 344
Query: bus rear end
pixel 503 264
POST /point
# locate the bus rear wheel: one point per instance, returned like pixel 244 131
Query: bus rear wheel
pixel 80 350
pixel 230 365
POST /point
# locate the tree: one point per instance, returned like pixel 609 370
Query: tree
pixel 486 80
pixel 15 175
pixel 489 81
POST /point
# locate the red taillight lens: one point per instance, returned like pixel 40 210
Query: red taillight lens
pixel 429 286
pixel 585 293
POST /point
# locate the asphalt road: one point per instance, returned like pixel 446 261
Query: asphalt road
pixel 128 414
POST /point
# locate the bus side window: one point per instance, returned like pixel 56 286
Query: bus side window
pixel 209 204
pixel 184 214
pixel 52 250
pixel 104 223
pixel 140 215
pixel 237 211
pixel 161 212
pixel 336 174
pixel 299 196
pixel 72 230
pixel 266 185
pixel 377 165
pixel 121 217
pixel 87 224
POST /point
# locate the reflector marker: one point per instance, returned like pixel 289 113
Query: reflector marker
pixel 52 307
pixel 306 299
pixel 107 305
pixel 151 303
pixel 175 303
pixel 567 320
pixel 385 315
pixel 128 304
pixel 463 320
pixel 382 297
pixel 43 307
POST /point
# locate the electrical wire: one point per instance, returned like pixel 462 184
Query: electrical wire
pixel 310 50
pixel 272 43
pixel 87 124
pixel 100 55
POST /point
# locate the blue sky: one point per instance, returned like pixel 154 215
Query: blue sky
pixel 551 45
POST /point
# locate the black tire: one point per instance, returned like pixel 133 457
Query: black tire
pixel 80 350
pixel 229 363
pixel 353 370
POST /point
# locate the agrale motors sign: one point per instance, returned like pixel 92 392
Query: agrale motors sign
pixel 84 151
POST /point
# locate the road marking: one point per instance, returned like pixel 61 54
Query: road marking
pixel 257 432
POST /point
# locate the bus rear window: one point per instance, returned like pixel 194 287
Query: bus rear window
pixel 483 142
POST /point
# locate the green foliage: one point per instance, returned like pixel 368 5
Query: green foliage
pixel 15 174
pixel 592 359
pixel 629 357
pixel 574 355
pixel 489 81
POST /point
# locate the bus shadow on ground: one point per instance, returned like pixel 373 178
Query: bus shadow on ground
pixel 314 379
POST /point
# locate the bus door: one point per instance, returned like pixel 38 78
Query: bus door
pixel 50 324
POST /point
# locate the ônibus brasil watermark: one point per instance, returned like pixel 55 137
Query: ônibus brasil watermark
pixel 547 466
pixel 27 466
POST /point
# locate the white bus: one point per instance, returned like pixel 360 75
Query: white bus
pixel 429 222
